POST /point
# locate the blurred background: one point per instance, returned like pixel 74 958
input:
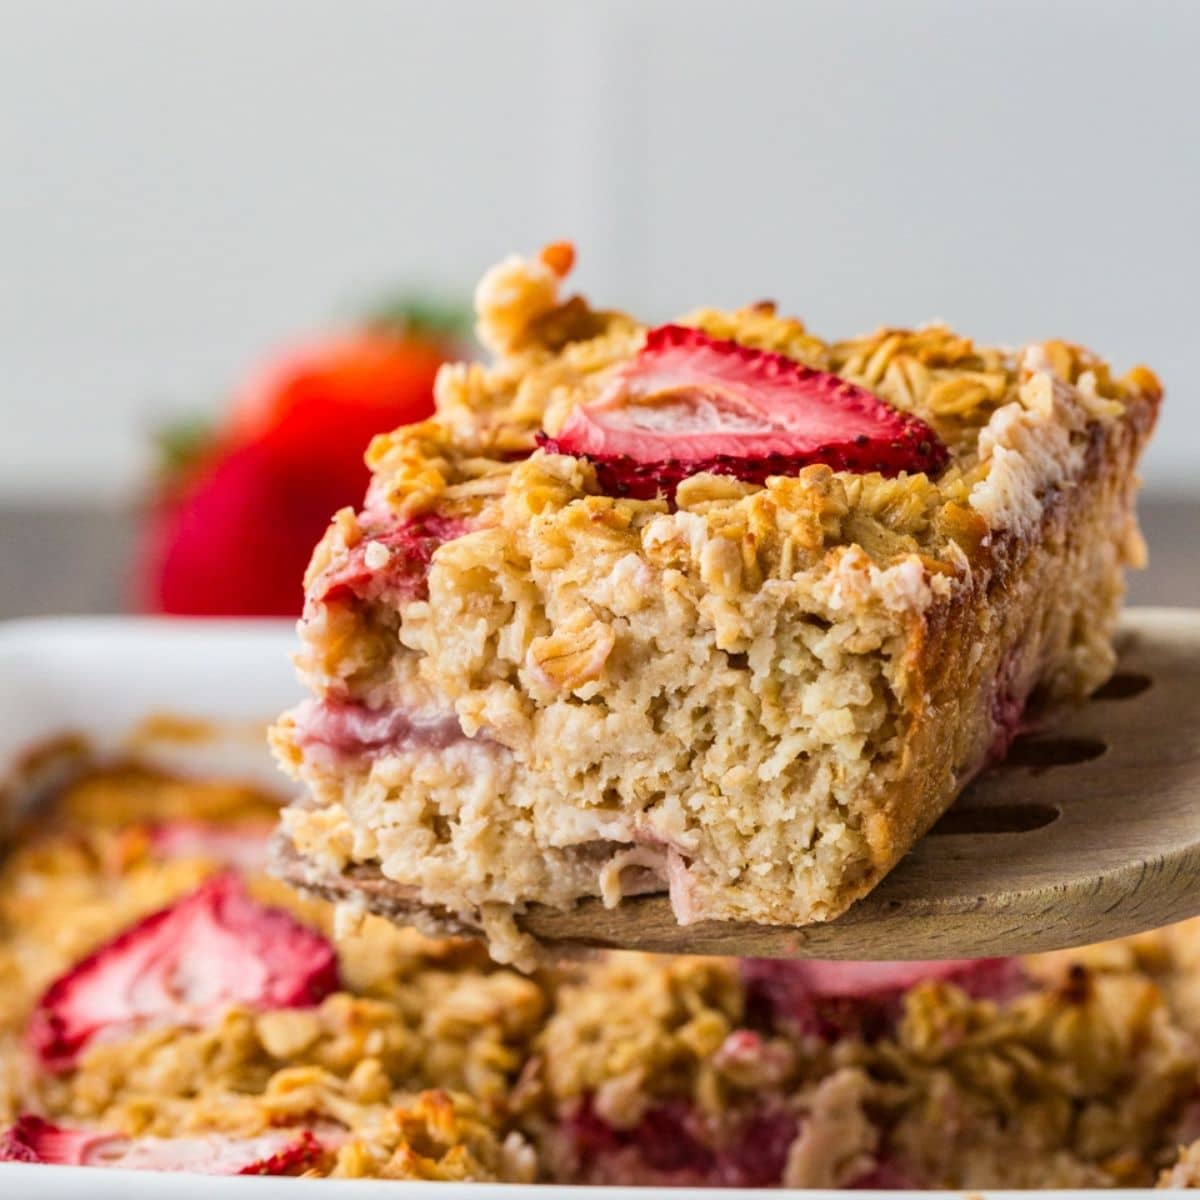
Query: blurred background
pixel 201 200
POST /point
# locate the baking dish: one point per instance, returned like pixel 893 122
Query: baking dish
pixel 100 677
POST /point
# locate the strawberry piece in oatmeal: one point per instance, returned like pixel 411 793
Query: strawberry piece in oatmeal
pixel 32 1139
pixel 862 999
pixel 390 561
pixel 184 965
pixel 243 846
pixel 674 1145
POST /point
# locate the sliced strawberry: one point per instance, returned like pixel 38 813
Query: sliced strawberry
pixel 184 965
pixel 32 1139
pixel 238 845
pixel 409 547
pixel 19 1143
pixel 344 729
pixel 869 980
pixel 301 1151
pixel 862 999
pixel 689 402
pixel 675 1145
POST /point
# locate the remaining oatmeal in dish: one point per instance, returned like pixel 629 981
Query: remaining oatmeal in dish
pixel 166 1006
pixel 162 1008
pixel 716 608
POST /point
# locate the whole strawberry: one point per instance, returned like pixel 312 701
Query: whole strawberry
pixel 234 525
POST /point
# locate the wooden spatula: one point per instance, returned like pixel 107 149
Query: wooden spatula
pixel 1088 831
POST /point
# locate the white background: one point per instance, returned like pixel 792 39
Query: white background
pixel 185 183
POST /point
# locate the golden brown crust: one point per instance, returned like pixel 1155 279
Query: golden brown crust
pixel 1041 611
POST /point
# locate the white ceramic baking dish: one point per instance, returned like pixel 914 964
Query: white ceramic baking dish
pixel 100 677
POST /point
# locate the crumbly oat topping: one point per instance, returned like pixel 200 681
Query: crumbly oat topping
pixel 544 368
pixel 1074 1069
pixel 397 1072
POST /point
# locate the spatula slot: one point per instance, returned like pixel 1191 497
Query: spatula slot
pixel 997 818
pixel 1124 685
pixel 1042 753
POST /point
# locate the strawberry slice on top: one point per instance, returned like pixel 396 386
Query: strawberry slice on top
pixel 184 965
pixel 688 402
pixel 278 1152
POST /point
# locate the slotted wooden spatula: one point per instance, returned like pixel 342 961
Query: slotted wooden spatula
pixel 1088 831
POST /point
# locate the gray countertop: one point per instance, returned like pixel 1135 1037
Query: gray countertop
pixel 76 558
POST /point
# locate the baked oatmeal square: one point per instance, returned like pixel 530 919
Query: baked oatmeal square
pixel 716 608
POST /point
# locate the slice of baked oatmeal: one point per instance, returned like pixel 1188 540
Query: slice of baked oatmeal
pixel 717 608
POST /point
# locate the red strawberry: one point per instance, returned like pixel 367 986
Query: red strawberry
pixel 184 965
pixel 20 1142
pixel 689 402
pixel 301 1151
pixel 234 529
pixel 410 546
pixel 330 397
pixel 862 999
pixel 331 730
pixel 673 1145
pixel 243 846
pixel 235 540
pixel 32 1139
pixel 869 980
